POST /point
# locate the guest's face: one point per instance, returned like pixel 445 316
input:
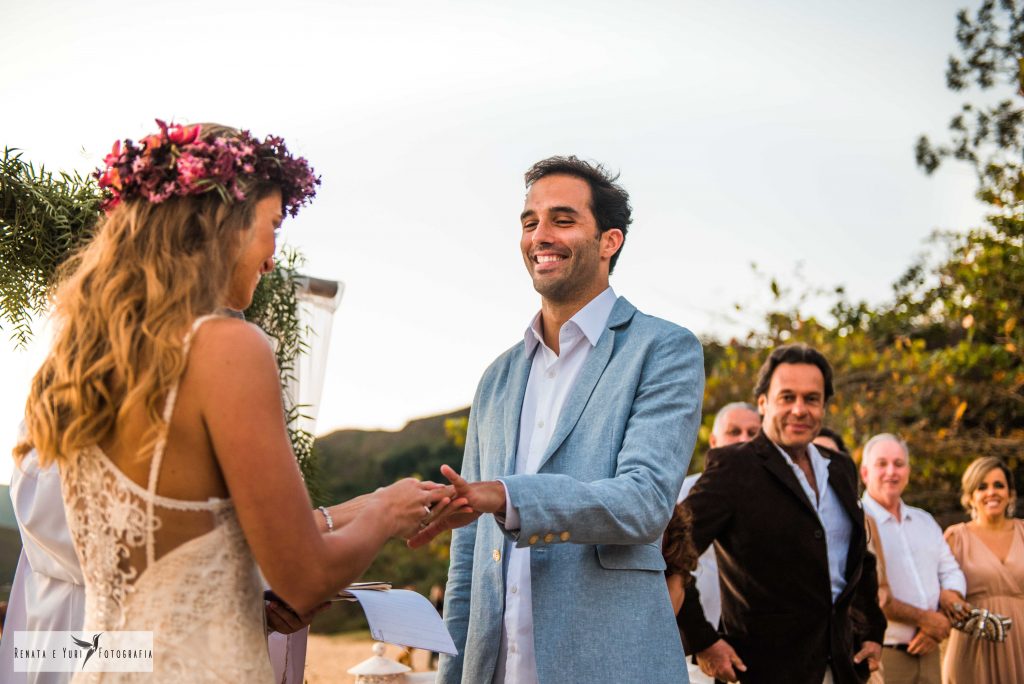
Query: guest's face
pixel 738 425
pixel 565 254
pixel 992 496
pixel 794 406
pixel 886 471
pixel 256 254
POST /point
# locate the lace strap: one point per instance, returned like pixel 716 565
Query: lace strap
pixel 161 443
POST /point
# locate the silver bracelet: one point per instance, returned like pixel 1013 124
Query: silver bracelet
pixel 327 518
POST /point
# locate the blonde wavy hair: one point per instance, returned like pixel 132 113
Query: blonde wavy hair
pixel 121 309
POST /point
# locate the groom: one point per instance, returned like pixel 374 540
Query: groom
pixel 578 440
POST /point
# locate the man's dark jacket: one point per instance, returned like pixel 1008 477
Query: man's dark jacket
pixel 777 609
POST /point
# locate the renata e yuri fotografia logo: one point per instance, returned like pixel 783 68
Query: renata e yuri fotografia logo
pixel 51 651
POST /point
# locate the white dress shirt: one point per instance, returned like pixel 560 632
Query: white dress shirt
pixel 837 524
pixel 551 378
pixel 918 562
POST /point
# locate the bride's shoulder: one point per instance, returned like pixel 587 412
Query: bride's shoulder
pixel 224 343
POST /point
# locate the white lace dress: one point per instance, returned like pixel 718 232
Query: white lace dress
pixel 181 569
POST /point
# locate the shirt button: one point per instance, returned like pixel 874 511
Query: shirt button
pixel 540 423
pixel 551 374
pixel 817 534
pixel 496 555
pixel 515 589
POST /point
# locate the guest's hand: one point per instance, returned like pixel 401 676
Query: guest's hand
pixel 281 618
pixel 720 661
pixel 953 605
pixel 934 624
pixel 921 644
pixel 870 651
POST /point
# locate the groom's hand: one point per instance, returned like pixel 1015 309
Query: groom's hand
pixel 482 497
pixel 469 502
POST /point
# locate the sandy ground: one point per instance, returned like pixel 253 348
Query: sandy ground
pixel 328 658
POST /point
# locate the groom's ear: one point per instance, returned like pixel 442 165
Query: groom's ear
pixel 611 241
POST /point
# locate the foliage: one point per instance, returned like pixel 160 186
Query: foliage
pixel 989 136
pixel 275 308
pixel 43 220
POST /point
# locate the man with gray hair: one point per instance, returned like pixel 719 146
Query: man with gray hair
pixel 924 578
pixel 735 422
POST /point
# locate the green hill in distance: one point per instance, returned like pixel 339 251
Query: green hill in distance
pixel 354 462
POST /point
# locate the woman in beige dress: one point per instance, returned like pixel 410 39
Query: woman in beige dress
pixel 990 550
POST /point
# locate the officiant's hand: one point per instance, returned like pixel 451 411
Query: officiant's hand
pixel 281 618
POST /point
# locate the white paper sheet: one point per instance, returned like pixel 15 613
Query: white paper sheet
pixel 405 618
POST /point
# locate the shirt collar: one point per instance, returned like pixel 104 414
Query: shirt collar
pixel 818 462
pixel 591 320
pixel 879 511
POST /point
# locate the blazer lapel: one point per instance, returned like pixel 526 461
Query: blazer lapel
pixel 518 376
pixel 586 381
pixel 778 467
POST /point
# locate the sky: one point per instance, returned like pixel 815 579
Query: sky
pixel 779 133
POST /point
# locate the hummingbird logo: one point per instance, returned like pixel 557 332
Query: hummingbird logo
pixel 90 646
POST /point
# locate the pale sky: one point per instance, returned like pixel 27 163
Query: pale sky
pixel 778 133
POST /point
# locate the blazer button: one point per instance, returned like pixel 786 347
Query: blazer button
pixel 534 539
pixel 817 534
pixel 496 555
pixel 548 538
pixel 564 536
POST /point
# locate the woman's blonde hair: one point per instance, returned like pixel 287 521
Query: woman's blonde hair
pixel 976 473
pixel 121 309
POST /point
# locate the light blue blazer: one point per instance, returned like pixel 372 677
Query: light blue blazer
pixel 593 515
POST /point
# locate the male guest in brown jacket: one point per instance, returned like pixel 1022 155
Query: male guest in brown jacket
pixel 789 535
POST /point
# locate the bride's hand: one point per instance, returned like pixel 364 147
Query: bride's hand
pixel 408 503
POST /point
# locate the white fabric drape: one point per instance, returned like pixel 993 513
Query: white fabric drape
pixel 318 300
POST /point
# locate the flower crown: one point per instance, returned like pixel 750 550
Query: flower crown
pixel 176 162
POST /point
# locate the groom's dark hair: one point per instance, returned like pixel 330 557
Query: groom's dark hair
pixel 609 201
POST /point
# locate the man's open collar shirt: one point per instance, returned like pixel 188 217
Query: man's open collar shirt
pixel 837 524
pixel 918 562
pixel 551 379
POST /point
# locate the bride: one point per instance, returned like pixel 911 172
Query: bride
pixel 166 419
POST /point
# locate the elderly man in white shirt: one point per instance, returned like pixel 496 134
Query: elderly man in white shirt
pixel 924 578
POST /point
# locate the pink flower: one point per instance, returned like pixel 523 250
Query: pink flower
pixel 110 179
pixel 190 170
pixel 114 156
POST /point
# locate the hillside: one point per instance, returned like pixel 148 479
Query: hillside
pixel 353 462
